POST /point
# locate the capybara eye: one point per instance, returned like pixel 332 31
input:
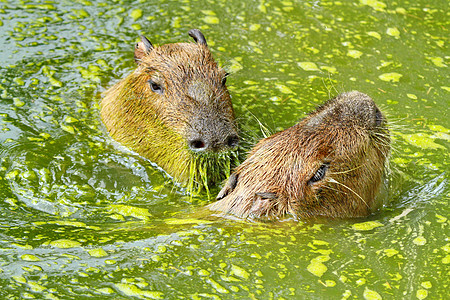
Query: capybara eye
pixel 319 175
pixel 155 87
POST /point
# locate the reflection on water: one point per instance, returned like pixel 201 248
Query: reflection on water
pixel 82 216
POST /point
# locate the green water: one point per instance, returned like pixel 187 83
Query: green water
pixel 82 218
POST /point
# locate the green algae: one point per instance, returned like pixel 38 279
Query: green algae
pixel 239 272
pixel 134 291
pixel 422 140
pixel 235 65
pixel 316 266
pixel 354 53
pixel 65 243
pixel 284 89
pixel 374 34
pixel 206 169
pixel 375 4
pixel 130 211
pixel 30 257
pixel 393 32
pixel 438 62
pixel 99 252
pixel 18 102
pixel 220 289
pixel 210 17
pixel 64 181
pixel 392 77
pixel 185 221
pixel 68 128
pixel 136 13
pixel 364 226
pixel 390 252
pixel 421 294
pixel 371 295
pixel 308 66
pixel 211 20
pixel 420 241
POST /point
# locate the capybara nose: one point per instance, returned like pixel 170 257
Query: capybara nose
pixel 201 144
pixel 378 117
pixel 232 141
pixel 197 145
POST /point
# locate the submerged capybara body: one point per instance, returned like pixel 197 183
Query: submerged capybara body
pixel 175 110
pixel 329 164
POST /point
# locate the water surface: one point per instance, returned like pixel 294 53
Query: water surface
pixel 83 217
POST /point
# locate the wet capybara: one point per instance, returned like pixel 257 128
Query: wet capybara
pixel 330 164
pixel 175 110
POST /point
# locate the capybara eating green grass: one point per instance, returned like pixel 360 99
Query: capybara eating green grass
pixel 175 110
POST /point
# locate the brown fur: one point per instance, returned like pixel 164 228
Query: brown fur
pixel 346 138
pixel 192 104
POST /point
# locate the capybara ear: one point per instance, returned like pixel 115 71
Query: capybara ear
pixel 142 48
pixel 198 36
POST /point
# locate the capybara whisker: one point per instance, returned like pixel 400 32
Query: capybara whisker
pixel 346 171
pixel 348 188
pixel 333 189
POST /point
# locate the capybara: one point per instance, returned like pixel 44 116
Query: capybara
pixel 330 164
pixel 175 110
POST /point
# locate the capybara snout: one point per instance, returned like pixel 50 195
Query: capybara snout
pixel 211 134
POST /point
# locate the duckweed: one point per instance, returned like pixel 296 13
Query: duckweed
pixel 308 66
pixel 393 32
pixel 99 252
pixel 134 291
pixel 391 77
pixel 64 243
pixel 371 295
pixel 239 272
pixel 354 53
pixel 317 267
pixel 366 225
pixel 30 257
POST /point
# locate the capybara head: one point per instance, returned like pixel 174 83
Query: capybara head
pixel 329 164
pixel 175 110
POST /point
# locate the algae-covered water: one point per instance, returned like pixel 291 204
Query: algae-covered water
pixel 82 218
